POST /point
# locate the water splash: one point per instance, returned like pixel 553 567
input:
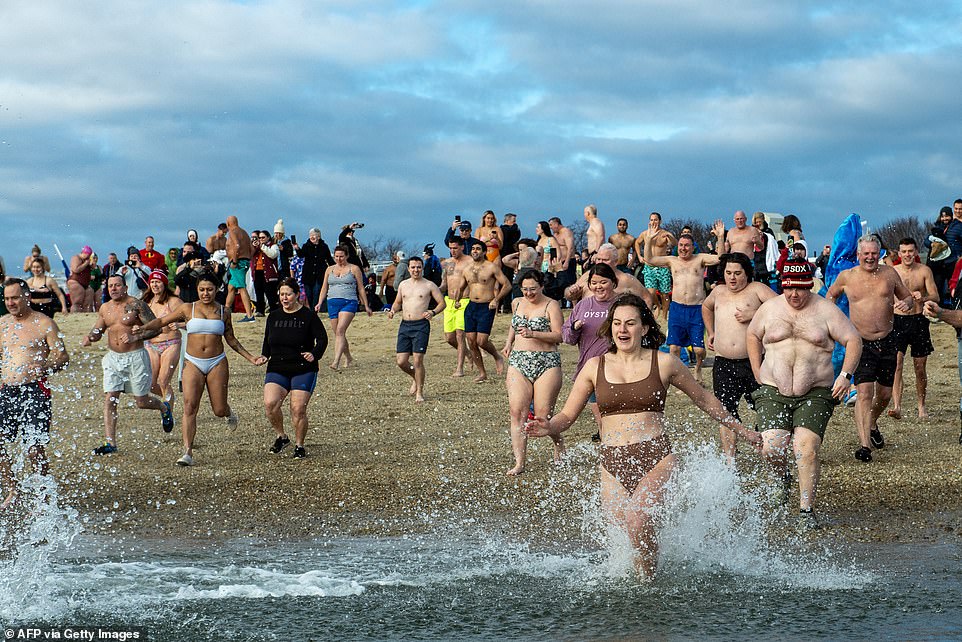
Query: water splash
pixel 34 532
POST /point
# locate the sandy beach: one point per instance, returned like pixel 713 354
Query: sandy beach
pixel 379 463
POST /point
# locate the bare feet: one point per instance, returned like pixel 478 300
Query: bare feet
pixel 414 390
pixel 334 366
pixel 457 373
pixel 895 413
pixel 481 378
pixel 499 365
pixel 8 502
pixel 923 414
pixel 419 398
pixel 514 472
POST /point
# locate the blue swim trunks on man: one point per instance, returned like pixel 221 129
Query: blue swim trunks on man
pixel 478 317
pixel 685 325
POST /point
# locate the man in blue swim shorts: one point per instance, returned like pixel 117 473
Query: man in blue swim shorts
pixel 415 296
pixel 480 279
pixel 685 324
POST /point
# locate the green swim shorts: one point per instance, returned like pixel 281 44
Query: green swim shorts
pixel 778 412
pixel 238 274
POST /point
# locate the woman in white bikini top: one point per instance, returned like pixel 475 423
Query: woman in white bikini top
pixel 208 328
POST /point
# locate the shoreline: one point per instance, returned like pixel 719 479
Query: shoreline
pixel 379 464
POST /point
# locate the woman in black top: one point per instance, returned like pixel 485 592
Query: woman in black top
pixel 317 258
pixel 294 341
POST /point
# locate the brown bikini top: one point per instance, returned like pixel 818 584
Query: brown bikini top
pixel 646 395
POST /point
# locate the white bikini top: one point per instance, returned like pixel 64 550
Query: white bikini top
pixel 204 326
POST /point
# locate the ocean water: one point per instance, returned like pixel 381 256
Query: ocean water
pixel 729 569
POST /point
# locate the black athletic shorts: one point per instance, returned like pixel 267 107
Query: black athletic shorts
pixel 25 413
pixel 730 380
pixel 413 336
pixel 913 330
pixel 877 363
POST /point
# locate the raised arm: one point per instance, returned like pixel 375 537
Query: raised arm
pixel 650 258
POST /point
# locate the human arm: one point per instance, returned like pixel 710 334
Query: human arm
pixel 952 317
pixel 319 333
pixel 754 345
pixel 571 328
pixel 57 357
pixel 837 288
pixel 96 333
pixel 505 287
pixel 236 346
pixel 511 260
pixel 708 316
pixel 361 292
pixel 841 330
pixel 931 292
pixel 59 294
pixel 509 341
pixel 681 378
pixel 322 295
pixel 905 300
pixel 577 399
pixel 650 258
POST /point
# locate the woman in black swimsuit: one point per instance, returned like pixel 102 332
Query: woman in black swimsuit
pixel 631 384
pixel 43 289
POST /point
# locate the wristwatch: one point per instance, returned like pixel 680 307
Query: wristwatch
pixel 847 375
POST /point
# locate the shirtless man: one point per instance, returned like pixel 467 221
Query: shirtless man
pixel 790 342
pixel 743 238
pixel 238 246
pixel 480 280
pixel 727 312
pixel 685 324
pixel 623 241
pixel 78 285
pixel 870 287
pixel 30 349
pixel 126 364
pixel 217 240
pixel 912 328
pixel 386 285
pixel 596 230
pixel 567 261
pixel 454 268
pixel 608 254
pixel 657 278
pixel 415 295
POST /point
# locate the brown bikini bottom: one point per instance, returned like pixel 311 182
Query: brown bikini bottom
pixel 630 463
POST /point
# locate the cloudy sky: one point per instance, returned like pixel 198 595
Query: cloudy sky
pixel 119 119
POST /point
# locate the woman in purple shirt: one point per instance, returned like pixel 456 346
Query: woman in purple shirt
pixel 586 319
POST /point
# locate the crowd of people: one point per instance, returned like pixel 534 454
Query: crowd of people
pixel 750 298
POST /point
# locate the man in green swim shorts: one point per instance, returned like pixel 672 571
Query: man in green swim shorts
pixel 790 342
pixel 239 254
pixel 454 314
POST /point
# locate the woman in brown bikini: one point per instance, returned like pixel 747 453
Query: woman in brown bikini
pixel 631 384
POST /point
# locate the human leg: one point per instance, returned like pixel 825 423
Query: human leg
pixel 633 512
pixel 77 294
pixel 217 381
pixel 520 394
pixel 806 444
pixel 474 351
pixel 343 323
pixel 168 366
pixel 194 382
pixel 274 396
pixel 897 388
pixel 404 363
pixel 921 383
pixel 259 283
pixel 419 374
pixel 111 401
pixel 7 480
pixel 154 357
pixel 299 401
pixel 546 389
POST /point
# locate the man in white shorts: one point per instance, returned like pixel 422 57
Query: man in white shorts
pixel 126 364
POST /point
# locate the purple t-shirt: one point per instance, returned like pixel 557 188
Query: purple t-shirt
pixel 593 313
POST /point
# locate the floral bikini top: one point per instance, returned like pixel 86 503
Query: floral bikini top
pixel 535 324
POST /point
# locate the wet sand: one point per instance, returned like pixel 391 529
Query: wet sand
pixel 379 463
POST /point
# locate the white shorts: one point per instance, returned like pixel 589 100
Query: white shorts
pixel 127 372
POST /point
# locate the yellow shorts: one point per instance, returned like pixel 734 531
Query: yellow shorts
pixel 454 318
